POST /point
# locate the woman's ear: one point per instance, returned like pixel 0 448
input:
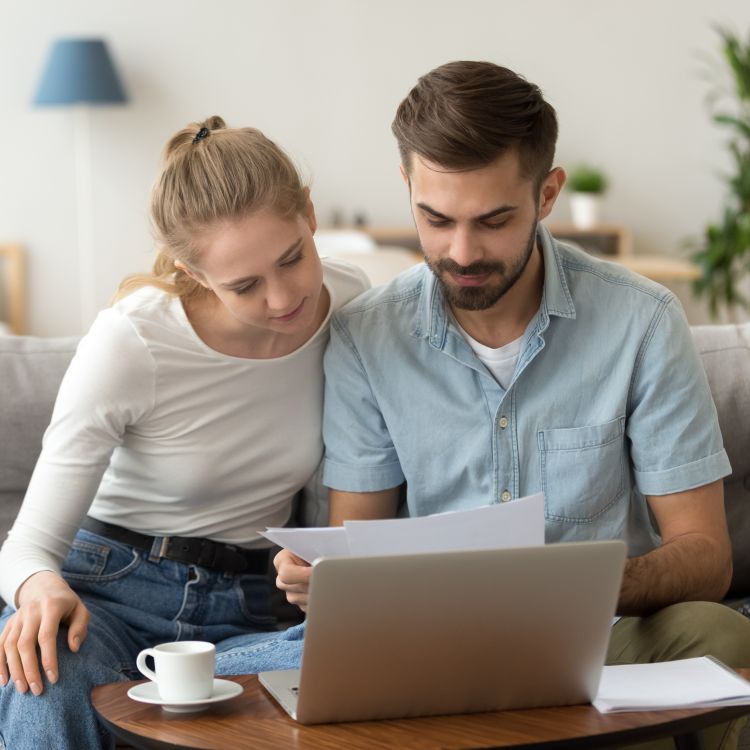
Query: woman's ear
pixel 312 222
pixel 194 275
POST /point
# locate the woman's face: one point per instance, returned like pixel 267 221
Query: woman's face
pixel 264 269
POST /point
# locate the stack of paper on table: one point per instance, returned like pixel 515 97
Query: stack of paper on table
pixel 516 524
pixel 702 682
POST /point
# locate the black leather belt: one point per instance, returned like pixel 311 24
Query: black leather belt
pixel 226 558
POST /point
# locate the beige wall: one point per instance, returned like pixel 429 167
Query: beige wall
pixel 323 77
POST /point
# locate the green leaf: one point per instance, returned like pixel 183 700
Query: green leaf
pixel 723 252
pixel 741 125
pixel 586 179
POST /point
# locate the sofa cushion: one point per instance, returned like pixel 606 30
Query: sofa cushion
pixel 725 351
pixel 30 373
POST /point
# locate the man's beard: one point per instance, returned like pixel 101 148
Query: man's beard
pixel 485 296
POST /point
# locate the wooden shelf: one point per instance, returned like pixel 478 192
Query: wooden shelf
pixel 661 268
pixel 14 286
pixel 615 242
pixel 604 239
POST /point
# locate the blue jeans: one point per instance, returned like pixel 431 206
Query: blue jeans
pixel 135 603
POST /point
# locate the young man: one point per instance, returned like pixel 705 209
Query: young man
pixel 511 363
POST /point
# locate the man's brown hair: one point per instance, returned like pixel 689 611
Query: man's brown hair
pixel 464 115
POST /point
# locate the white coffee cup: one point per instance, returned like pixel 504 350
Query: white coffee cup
pixel 183 670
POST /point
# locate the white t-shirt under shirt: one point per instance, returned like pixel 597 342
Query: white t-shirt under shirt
pixel 500 362
pixel 169 436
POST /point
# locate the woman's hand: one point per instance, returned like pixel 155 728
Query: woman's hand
pixel 293 576
pixel 44 602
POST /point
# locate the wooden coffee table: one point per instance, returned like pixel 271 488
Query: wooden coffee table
pixel 254 720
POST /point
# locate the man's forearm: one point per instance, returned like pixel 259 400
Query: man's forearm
pixel 691 567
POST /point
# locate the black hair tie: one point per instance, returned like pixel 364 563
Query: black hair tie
pixel 201 134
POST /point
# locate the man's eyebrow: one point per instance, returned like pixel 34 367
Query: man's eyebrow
pixel 482 217
pixel 433 212
pixel 495 212
pixel 294 247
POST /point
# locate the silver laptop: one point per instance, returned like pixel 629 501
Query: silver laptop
pixel 453 632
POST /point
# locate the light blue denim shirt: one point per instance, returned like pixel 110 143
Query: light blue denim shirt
pixel 609 402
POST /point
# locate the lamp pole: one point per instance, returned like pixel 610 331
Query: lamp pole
pixel 85 218
pixel 80 73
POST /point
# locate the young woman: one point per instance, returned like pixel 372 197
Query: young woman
pixel 187 421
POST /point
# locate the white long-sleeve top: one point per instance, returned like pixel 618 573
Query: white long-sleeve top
pixel 155 431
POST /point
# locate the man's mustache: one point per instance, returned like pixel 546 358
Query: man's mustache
pixel 478 268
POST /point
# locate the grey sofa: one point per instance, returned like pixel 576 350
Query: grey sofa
pixel 31 369
pixel 725 351
pixel 30 374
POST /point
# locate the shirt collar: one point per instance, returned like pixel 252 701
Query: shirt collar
pixel 433 317
pixel 556 299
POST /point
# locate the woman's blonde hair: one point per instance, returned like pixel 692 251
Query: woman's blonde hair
pixel 211 173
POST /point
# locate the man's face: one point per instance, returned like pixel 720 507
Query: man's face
pixel 477 228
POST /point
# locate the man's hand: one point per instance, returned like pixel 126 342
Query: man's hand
pixel 694 561
pixel 45 601
pixel 293 576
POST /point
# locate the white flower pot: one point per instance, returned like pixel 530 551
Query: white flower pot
pixel 585 209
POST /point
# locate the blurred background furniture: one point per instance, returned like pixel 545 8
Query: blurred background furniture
pixel 380 262
pixel 661 268
pixel 615 242
pixel 602 239
pixel 13 285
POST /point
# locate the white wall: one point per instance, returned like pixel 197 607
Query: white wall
pixel 323 77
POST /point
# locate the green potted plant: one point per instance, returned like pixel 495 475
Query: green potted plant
pixel 723 253
pixel 586 185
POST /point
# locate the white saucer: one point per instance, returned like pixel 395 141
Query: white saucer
pixel 148 692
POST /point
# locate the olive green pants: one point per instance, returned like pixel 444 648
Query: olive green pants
pixel 680 632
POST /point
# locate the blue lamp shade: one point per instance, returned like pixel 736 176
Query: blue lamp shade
pixel 79 71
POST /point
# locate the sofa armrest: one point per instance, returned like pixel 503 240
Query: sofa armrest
pixel 30 373
pixel 725 351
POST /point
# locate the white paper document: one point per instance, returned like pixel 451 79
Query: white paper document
pixel 516 524
pixel 311 543
pixel 702 682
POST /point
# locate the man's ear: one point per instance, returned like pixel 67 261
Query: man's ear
pixel 551 188
pixel 194 275
pixel 404 175
pixel 312 221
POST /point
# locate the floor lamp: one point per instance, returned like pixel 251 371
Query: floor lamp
pixel 80 73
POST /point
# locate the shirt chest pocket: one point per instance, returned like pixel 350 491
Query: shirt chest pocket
pixel 582 470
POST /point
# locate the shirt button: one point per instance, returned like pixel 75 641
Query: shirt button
pixel 503 422
pixel 505 496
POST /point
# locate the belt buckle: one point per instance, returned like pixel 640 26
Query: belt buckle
pixel 211 555
pixel 164 547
